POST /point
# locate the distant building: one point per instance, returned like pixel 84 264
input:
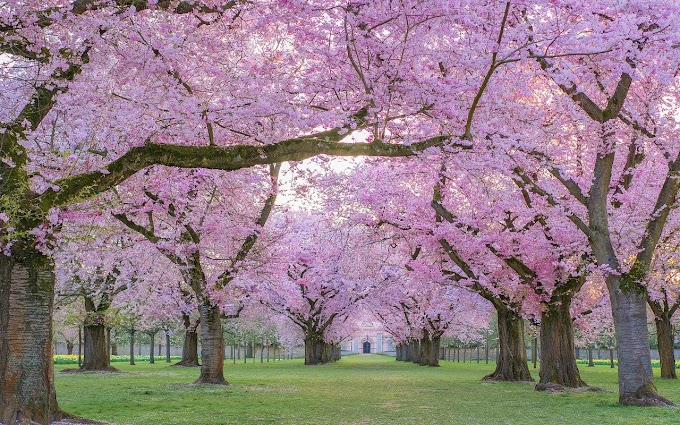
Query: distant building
pixel 370 337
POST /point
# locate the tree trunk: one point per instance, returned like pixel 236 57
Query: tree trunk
pixel 425 349
pixel 190 347
pixel 80 346
pixel 132 347
pixel 629 310
pixel 114 348
pixel 69 348
pixel 435 347
pixel 94 345
pixel 27 392
pixel 314 347
pixel 664 335
pixel 152 337
pixel 212 351
pixel 167 347
pixel 512 357
pixel 416 351
pixel 108 344
pixel 558 361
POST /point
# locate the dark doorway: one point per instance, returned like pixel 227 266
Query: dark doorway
pixel 367 347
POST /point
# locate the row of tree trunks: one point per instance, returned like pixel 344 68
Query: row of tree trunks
pixel 331 353
pixel 318 351
pixel 424 351
pixel 27 391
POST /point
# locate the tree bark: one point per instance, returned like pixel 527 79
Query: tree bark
pixel 314 346
pixel 512 357
pixel 629 310
pixel 664 335
pixel 152 344
pixel 212 351
pixel 167 347
pixel 27 392
pixel 425 349
pixel 190 347
pixel 432 359
pixel 69 348
pixel 94 344
pixel 132 347
pixel 108 344
pixel 558 359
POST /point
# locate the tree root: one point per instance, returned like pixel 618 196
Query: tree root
pixel 107 369
pixel 646 395
pixel 553 388
pixel 184 363
pixel 499 377
pixel 211 381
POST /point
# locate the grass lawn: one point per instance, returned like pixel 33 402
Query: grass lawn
pixel 368 389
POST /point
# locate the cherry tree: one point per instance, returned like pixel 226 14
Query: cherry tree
pixel 317 286
pixel 663 298
pixel 202 228
pixel 618 189
pixel 121 60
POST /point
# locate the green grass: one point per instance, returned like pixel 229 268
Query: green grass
pixel 73 358
pixel 356 390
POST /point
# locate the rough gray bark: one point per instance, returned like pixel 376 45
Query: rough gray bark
pixel 94 348
pixel 152 358
pixel 629 309
pixel 190 347
pixel 664 337
pixel 27 391
pixel 558 360
pixel 512 357
pixel 96 355
pixel 318 351
pixel 212 345
pixel 132 347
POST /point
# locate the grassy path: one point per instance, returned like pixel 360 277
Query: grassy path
pixel 357 390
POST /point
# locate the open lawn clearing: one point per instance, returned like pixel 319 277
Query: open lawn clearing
pixel 356 390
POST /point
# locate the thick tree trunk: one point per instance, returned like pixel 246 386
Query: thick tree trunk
pixel 94 344
pixel 558 361
pixel 212 351
pixel 416 351
pixel 629 310
pixel 314 347
pixel 664 335
pixel 435 349
pixel 190 347
pixel 69 348
pixel 114 348
pixel 430 346
pixel 425 353
pixel 27 391
pixel 512 357
pixel 189 350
